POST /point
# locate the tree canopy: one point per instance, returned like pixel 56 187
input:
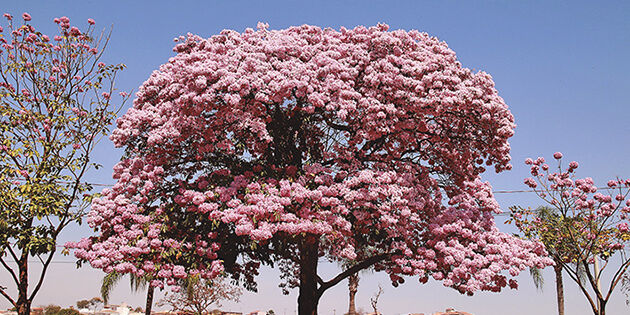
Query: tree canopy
pixel 283 146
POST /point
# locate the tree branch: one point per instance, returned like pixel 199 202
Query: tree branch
pixel 622 270
pixel 574 275
pixel 12 252
pixel 320 280
pixel 11 271
pixel 352 270
pixel 6 295
pixel 41 276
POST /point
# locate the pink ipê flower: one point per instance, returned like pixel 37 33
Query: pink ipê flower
pixel 74 31
pixel 26 16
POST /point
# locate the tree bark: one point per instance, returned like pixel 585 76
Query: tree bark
pixel 353 283
pixel 147 309
pixel 559 288
pixel 309 295
pixel 23 303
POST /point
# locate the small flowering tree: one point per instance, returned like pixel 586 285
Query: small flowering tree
pixel 284 147
pixel 197 296
pixel 54 107
pixel 583 226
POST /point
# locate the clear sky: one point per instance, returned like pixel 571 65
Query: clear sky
pixel 562 67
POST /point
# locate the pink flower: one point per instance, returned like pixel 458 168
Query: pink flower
pixel 529 161
pixel 8 16
pixel 179 272
pixel 530 182
pixel 91 21
pixel 74 31
pixel 105 95
pixel 26 16
pixel 557 155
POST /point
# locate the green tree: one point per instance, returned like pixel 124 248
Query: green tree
pixel 51 309
pixel 83 304
pixel 55 105
pixel 68 311
pixel 552 217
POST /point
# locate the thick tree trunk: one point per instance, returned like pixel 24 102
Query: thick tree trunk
pixel 147 309
pixel 309 296
pixel 559 289
pixel 353 284
pixel 23 303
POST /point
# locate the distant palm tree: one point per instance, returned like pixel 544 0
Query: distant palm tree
pixel 539 281
pixel 137 283
pixel 553 218
pixel 353 285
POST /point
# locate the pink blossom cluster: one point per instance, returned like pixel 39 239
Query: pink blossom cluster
pixel 26 38
pixel 372 140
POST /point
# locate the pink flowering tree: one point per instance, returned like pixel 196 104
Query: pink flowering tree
pixel 585 227
pixel 284 147
pixel 54 107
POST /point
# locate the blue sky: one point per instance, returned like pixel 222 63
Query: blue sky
pixel 562 67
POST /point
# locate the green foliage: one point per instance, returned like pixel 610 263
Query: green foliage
pixel 537 276
pixel 83 304
pixel 57 310
pixel 68 311
pixel 111 279
pixel 108 283
pixel 52 309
